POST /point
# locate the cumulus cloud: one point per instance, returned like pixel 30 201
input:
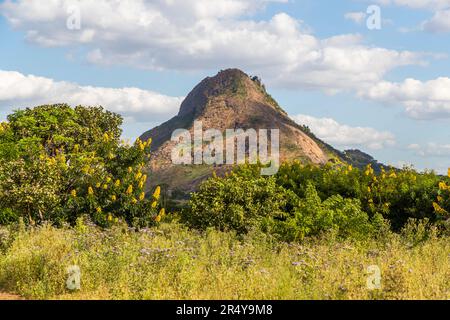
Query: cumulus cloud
pixel 19 90
pixel 431 149
pixel 197 35
pixel 204 34
pixel 421 100
pixel 439 23
pixel 346 136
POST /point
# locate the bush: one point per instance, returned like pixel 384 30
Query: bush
pixel 397 195
pixel 240 203
pixel 236 203
pixel 58 163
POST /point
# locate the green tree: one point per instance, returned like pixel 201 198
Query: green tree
pixel 58 162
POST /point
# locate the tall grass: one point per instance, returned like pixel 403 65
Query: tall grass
pixel 172 262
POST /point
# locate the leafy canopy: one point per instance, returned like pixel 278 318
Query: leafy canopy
pixel 58 163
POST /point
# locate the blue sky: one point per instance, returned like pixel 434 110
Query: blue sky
pixel 318 59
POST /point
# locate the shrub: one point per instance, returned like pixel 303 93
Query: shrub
pixel 238 202
pixel 397 195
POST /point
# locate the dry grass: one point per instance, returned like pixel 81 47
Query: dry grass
pixel 172 262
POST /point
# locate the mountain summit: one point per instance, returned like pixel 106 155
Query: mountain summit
pixel 230 100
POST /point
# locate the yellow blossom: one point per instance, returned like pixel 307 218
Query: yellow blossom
pixel 368 189
pixel 105 186
pixel 138 176
pixel 142 196
pixel 90 191
pixel 117 184
pixel 438 208
pixel 134 201
pixel 73 193
pixel 113 197
pixel 442 186
pixel 448 173
pixel 157 193
pixel 154 204
pixel 110 218
pixel 130 169
pixel 158 218
pixel 162 212
pixel 130 189
pixel 99 210
pixel 98 185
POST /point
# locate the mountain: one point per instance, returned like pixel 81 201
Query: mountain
pixel 230 100
pixel 360 160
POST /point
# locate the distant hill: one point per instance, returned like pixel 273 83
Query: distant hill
pixel 232 99
pixel 360 160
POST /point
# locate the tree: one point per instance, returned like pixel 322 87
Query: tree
pixel 58 163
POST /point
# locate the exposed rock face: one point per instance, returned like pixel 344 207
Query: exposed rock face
pixel 230 100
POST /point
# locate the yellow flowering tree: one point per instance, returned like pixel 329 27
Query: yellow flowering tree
pixel 58 162
pixel 442 203
pixel 396 194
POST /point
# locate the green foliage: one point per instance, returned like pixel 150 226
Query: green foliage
pixel 236 203
pixel 307 200
pixel 397 195
pixel 242 203
pixel 58 163
pixel 312 217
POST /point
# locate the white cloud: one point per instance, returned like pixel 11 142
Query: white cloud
pixel 431 149
pixel 18 90
pixel 418 4
pixel 357 17
pixel 421 100
pixel 204 34
pixel 346 136
pixel 439 23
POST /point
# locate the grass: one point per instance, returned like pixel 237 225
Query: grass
pixel 172 262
